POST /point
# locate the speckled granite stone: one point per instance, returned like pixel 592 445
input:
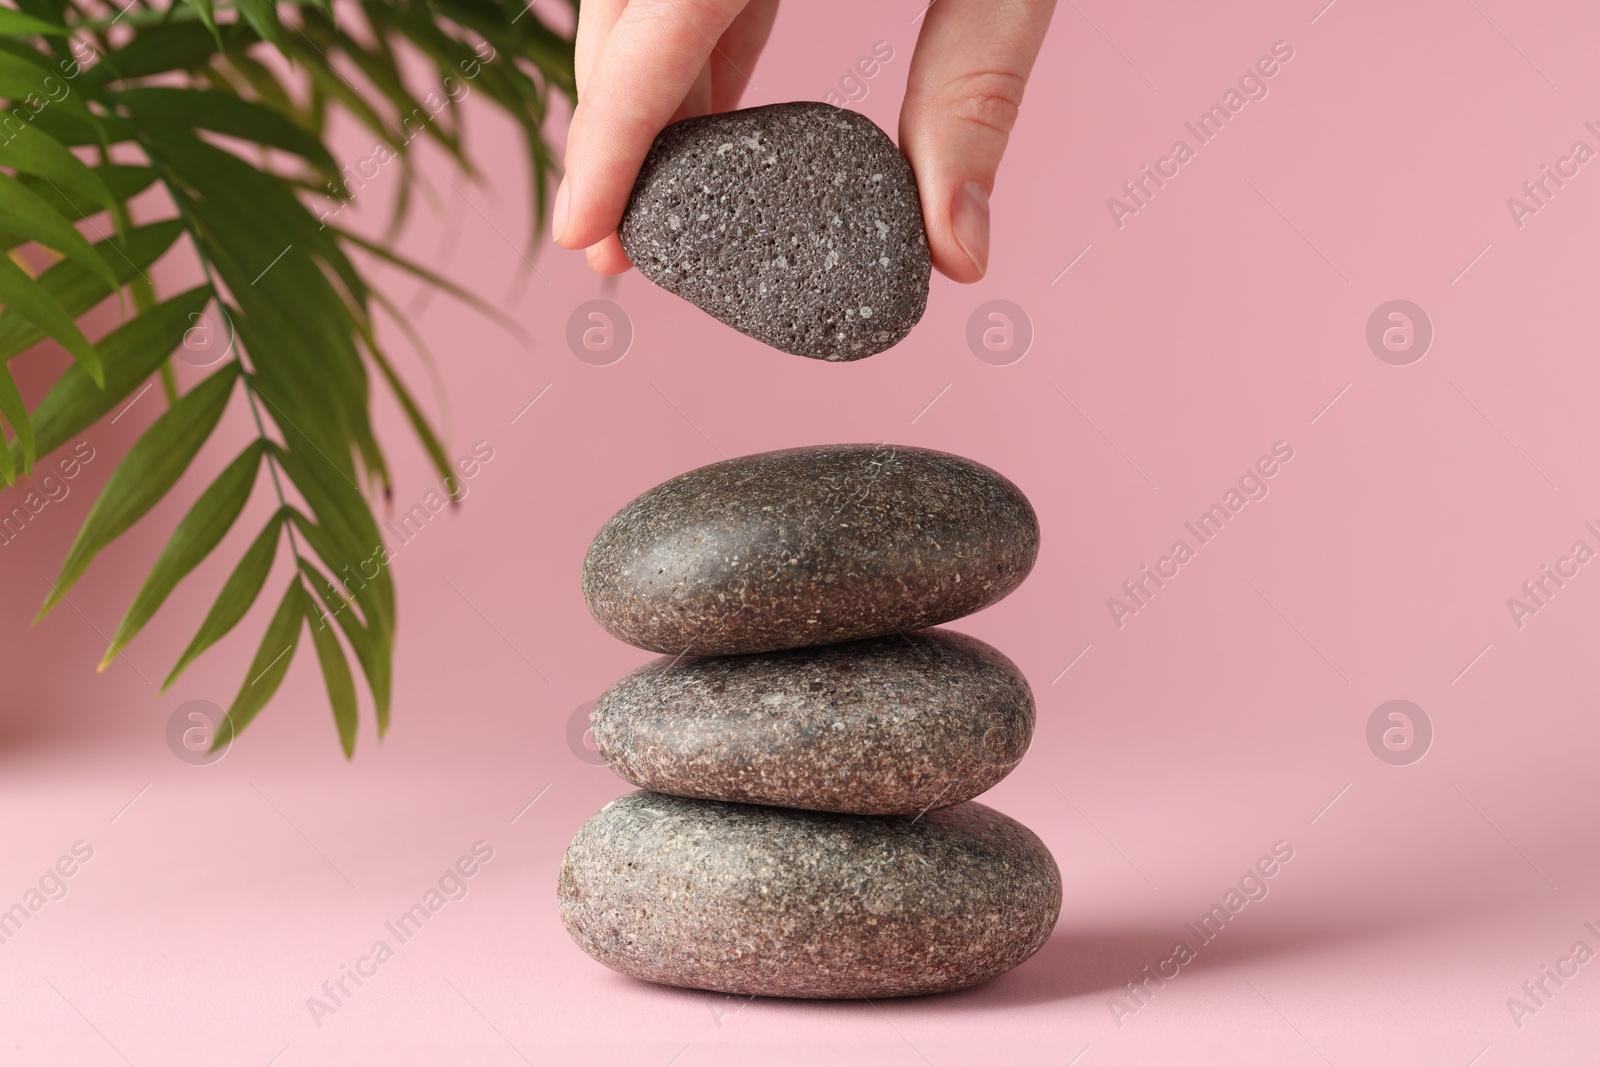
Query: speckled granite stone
pixel 885 726
pixel 755 900
pixel 808 546
pixel 797 224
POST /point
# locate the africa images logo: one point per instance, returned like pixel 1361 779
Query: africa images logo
pixel 1252 85
pixel 1137 592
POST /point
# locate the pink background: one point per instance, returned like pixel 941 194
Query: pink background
pixel 1224 717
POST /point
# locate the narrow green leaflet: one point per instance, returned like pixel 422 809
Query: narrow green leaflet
pixel 232 115
pixel 336 675
pixel 75 290
pixel 125 180
pixel 268 88
pixel 21 79
pixel 208 519
pixel 330 551
pixel 27 214
pixel 28 300
pixel 132 352
pixel 334 606
pixel 175 46
pixel 15 23
pixel 208 18
pixel 262 15
pixel 122 180
pixel 16 413
pixel 382 70
pixel 8 466
pixel 29 151
pixel 438 281
pixel 372 646
pixel 238 593
pixel 72 128
pixel 551 53
pixel 340 509
pixel 270 665
pixel 342 547
pixel 337 90
pixel 419 422
pixel 151 467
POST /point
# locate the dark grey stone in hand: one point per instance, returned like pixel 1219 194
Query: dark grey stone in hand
pixel 797 224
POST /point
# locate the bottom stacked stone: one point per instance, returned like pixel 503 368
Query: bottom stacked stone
pixel 746 899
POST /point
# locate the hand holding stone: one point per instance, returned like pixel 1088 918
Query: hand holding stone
pixel 641 64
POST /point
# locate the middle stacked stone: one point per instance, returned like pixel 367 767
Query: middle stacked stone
pixel 886 726
pixel 792 594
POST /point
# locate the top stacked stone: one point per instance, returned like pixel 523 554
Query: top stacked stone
pixel 809 546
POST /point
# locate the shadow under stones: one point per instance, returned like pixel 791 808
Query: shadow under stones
pixel 1078 963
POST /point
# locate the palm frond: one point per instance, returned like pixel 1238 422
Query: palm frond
pixel 191 90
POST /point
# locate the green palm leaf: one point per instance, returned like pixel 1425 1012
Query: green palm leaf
pixel 16 413
pixel 150 468
pixel 231 115
pixel 336 675
pixel 16 24
pixel 74 290
pixel 270 665
pixel 123 181
pixel 177 46
pixel 262 15
pixel 27 214
pixel 21 78
pixel 32 152
pixel 132 352
pixel 189 97
pixel 210 517
pixel 208 18
pixel 370 643
pixel 238 593
pixel 25 297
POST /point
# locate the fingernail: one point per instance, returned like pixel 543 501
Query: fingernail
pixel 969 218
pixel 558 217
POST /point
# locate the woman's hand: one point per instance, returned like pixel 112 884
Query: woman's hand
pixel 642 64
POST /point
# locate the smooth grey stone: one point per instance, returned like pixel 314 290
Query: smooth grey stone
pixel 885 726
pixel 808 546
pixel 756 900
pixel 797 224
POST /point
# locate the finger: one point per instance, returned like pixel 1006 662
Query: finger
pixel 736 53
pixel 595 20
pixel 607 257
pixel 697 101
pixel 650 60
pixel 963 92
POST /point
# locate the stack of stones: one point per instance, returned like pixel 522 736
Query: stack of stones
pixel 807 747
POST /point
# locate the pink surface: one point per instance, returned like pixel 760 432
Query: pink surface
pixel 1229 713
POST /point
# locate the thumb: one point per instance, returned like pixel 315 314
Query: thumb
pixel 972 60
